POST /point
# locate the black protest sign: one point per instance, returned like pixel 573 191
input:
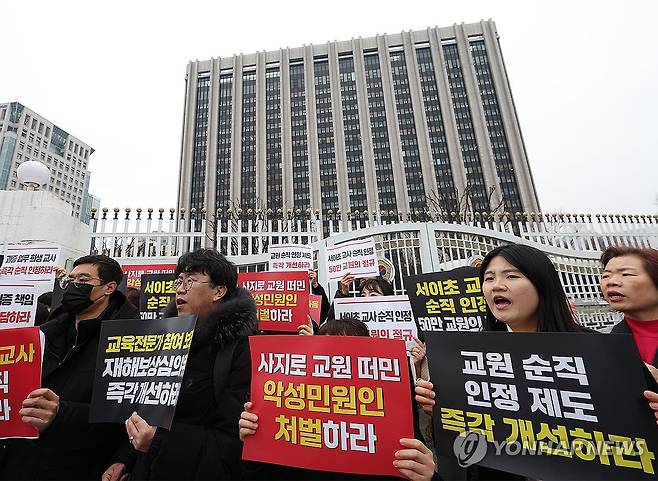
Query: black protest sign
pixel 543 405
pixel 140 367
pixel 157 291
pixel 447 301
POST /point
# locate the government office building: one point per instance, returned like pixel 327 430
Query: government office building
pixel 407 122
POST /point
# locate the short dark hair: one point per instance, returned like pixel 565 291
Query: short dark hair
pixel 221 271
pixel 46 298
pixel 648 256
pixel 553 314
pixel 376 284
pixel 346 326
pixel 109 270
pixel 132 294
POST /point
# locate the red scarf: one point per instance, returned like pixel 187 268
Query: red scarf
pixel 645 334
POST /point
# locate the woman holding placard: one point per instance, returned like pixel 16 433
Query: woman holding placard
pixel 523 293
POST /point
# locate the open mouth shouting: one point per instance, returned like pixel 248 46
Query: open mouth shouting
pixel 502 302
pixel 615 296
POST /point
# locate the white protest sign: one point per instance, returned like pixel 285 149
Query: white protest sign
pixel 32 262
pixel 18 304
pixel 356 258
pixel 290 257
pixel 387 317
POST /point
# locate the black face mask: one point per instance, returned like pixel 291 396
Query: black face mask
pixel 76 298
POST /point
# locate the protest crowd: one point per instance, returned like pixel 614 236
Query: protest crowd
pixel 207 373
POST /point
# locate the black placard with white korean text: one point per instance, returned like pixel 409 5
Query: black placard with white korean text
pixel 448 300
pixel 156 292
pixel 140 367
pixel 543 405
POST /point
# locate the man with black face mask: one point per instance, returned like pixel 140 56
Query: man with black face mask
pixel 69 447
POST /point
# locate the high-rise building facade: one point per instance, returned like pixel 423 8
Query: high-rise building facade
pixel 405 122
pixel 25 135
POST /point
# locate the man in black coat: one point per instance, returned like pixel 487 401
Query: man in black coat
pixel 203 442
pixel 69 447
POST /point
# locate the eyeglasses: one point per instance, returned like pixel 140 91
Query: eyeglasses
pixel 188 283
pixel 77 281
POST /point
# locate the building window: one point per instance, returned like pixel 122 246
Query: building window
pixel 200 144
pixel 446 195
pixel 407 127
pixel 58 141
pixel 248 175
pixel 494 119
pixel 379 131
pixel 326 149
pixel 300 171
pixel 273 139
pixel 224 135
pixel 353 150
pixel 476 191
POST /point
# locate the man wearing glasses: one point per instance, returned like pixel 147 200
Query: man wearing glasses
pixel 68 446
pixel 203 441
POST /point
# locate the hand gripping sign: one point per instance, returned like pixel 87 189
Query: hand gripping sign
pixel 330 403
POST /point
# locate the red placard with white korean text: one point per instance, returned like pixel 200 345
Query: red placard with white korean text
pixel 315 307
pixel 133 272
pixel 20 374
pixel 329 403
pixel 281 298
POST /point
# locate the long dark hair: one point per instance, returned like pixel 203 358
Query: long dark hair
pixel 376 284
pixel 346 326
pixel 553 314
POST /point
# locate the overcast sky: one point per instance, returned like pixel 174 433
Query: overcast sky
pixel 584 76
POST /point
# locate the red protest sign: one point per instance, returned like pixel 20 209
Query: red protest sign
pixel 329 403
pixel 133 272
pixel 20 374
pixel 314 307
pixel 281 298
